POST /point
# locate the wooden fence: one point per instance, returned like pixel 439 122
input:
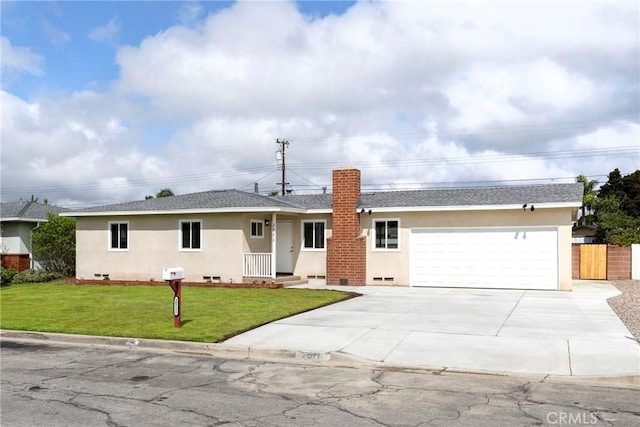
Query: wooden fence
pixel 593 262
pixel 601 262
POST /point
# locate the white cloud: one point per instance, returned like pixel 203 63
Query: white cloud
pixel 107 33
pixel 410 92
pixel 190 13
pixel 56 36
pixel 19 59
pixel 493 93
pixel 67 153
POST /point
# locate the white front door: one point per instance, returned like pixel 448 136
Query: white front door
pixel 284 247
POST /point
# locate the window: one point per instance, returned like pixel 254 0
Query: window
pixel 386 233
pixel 190 235
pixel 313 232
pixel 119 236
pixel 257 229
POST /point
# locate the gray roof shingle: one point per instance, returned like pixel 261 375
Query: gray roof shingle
pixel 27 210
pixel 511 195
pixel 508 195
pixel 454 197
pixel 221 199
pixel 309 201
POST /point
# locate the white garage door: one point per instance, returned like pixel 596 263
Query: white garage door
pixel 519 258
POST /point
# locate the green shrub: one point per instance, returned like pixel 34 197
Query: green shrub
pixel 7 275
pixel 54 244
pixel 35 276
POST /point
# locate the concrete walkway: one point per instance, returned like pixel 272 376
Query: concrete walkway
pixel 531 332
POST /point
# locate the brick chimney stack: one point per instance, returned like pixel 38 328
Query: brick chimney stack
pixel 346 248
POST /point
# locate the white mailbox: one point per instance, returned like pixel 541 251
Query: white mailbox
pixel 173 273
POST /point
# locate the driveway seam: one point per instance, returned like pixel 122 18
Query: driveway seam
pixel 510 313
pixel 569 354
pixel 373 329
pixel 396 346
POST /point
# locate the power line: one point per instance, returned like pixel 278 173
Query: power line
pixel 315 185
pixel 542 155
pixel 541 128
pixel 410 185
pixel 595 152
pixel 138 182
pixel 259 179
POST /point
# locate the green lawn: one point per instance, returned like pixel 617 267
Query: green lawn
pixel 208 314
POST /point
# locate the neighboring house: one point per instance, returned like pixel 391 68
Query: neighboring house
pixel 583 234
pixel 501 237
pixel 18 221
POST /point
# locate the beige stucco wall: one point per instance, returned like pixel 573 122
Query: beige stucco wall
pixel 154 245
pixel 310 262
pixel 16 237
pixel 395 264
pixel 253 244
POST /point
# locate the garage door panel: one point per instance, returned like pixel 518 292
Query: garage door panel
pixel 492 258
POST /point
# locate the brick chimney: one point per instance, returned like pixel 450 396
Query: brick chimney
pixel 346 248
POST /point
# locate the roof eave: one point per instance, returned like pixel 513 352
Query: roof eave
pixel 21 219
pixel 468 207
pixel 319 211
pixel 183 211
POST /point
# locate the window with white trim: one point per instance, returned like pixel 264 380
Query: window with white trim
pixel 190 235
pixel 257 229
pixel 386 234
pixel 313 235
pixel 119 236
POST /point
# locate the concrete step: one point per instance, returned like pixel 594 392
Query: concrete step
pixel 283 280
pixel 293 283
pixel 290 280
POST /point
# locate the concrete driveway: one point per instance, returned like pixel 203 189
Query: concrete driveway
pixel 533 332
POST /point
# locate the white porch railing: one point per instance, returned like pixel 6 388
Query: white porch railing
pixel 256 265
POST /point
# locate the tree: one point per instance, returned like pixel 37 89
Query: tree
pixel 54 244
pixel 588 199
pixel 613 186
pixel 631 187
pixel 165 192
pixel 617 209
pixel 624 188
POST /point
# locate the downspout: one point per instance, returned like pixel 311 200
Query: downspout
pixel 31 260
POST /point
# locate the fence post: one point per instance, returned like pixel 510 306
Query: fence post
pixel 635 262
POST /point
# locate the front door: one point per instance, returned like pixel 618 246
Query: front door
pixel 284 247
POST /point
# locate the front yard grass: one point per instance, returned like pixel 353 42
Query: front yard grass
pixel 208 314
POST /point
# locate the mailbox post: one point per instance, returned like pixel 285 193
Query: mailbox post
pixel 173 276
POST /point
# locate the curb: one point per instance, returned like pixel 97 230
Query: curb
pixel 189 348
pixel 335 359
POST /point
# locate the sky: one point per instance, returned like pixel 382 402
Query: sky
pixel 104 102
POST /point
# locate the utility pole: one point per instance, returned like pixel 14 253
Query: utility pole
pixel 283 144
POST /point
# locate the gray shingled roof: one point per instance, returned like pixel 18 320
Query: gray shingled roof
pixel 511 195
pixel 309 201
pixel 235 199
pixel 508 195
pixel 222 199
pixel 27 210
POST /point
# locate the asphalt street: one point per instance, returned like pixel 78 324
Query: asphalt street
pixel 65 385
